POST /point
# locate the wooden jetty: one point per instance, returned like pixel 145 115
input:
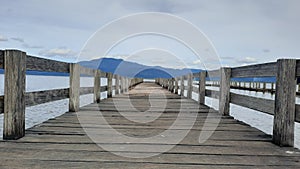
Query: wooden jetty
pixel 65 141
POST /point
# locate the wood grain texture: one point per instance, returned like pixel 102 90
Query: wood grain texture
pixel 47 65
pixel 176 87
pixel 212 93
pixel 224 99
pixel 1 104
pixel 258 70
pixel 201 87
pixel 259 104
pixel 97 87
pixel 117 91
pixel 86 90
pixel 182 86
pixel 190 86
pixel 39 97
pixel 87 71
pixel 14 92
pixel 298 68
pixel 62 142
pixel 284 115
pixel 103 88
pixel 109 84
pixel 74 87
pixel 1 59
pixel 297 115
pixel 213 73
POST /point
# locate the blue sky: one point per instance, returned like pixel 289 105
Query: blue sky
pixel 242 32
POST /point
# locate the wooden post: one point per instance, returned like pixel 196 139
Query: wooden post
pixel 190 86
pixel 224 91
pixel 109 85
pixel 122 84
pixel 14 94
pixel 284 115
pixel 202 81
pixel 264 87
pixel 117 83
pixel 74 87
pixel 97 86
pixel 176 86
pixel 126 84
pixel 182 86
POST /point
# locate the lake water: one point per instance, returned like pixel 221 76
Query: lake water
pixel 40 113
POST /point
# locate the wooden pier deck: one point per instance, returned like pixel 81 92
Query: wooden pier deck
pixel 63 143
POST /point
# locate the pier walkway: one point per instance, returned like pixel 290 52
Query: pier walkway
pixel 69 141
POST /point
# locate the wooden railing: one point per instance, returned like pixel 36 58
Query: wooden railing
pixel 15 99
pixel 284 109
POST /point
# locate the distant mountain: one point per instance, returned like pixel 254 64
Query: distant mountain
pixel 131 69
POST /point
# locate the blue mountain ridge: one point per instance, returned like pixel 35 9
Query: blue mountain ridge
pixel 132 69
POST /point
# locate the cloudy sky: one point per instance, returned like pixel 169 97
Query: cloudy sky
pixel 241 31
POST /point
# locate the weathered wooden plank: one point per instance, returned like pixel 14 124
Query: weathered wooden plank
pixel 201 87
pixel 109 84
pixel 1 59
pixel 1 104
pixel 103 74
pixel 258 70
pixel 86 90
pixel 298 68
pixel 14 92
pixel 87 71
pixel 176 86
pixel 196 75
pixel 297 113
pixel 182 86
pixel 103 88
pixel 47 65
pixel 190 86
pixel 284 115
pixel 39 97
pixel 213 73
pixel 74 87
pixel 224 99
pixel 117 80
pixel 212 93
pixel 97 87
pixel 195 89
pixel 259 104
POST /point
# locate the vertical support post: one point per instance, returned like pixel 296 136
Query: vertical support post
pixel 109 84
pixel 284 115
pixel 176 86
pixel 190 86
pixel 74 87
pixel 224 91
pixel 182 86
pixel 117 91
pixel 126 84
pixel 14 94
pixel 202 81
pixel 122 84
pixel 97 86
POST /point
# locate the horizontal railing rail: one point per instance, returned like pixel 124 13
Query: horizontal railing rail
pixel 283 108
pixel 15 64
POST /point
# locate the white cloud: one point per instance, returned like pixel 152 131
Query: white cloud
pixel 26 45
pixel 61 52
pixel 3 38
pixel 18 40
pixel 196 62
pixel 247 60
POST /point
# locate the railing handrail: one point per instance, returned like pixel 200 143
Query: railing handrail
pixel 284 108
pixel 15 99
